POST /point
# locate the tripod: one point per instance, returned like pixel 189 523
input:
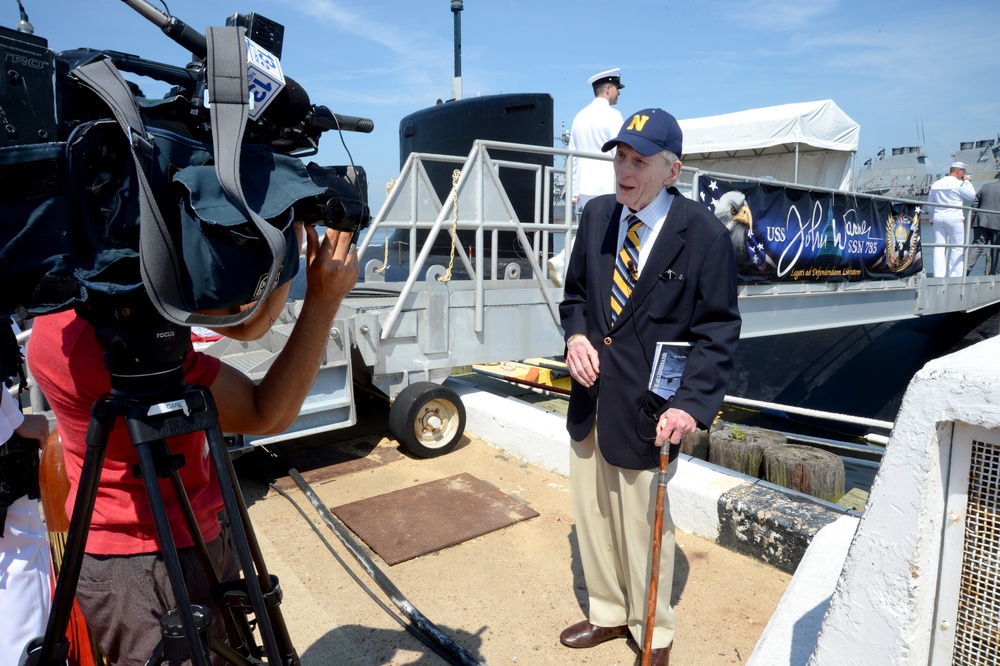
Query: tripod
pixel 148 390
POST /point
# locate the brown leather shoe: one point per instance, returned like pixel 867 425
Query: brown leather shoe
pixel 657 657
pixel 584 634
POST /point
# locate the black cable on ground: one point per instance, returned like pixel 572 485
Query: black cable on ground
pixel 444 646
pixel 410 627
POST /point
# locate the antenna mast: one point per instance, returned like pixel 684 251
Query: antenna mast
pixel 456 83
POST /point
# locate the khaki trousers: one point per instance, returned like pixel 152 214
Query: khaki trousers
pixel 615 511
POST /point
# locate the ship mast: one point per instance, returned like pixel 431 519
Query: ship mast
pixel 456 83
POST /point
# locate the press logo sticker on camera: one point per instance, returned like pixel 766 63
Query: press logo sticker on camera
pixel 264 78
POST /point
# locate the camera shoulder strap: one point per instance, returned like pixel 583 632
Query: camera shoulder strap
pixel 159 259
pixel 229 96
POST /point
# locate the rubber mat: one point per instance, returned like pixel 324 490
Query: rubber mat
pixel 411 522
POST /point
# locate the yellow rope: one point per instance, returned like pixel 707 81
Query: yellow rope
pixel 454 224
pixel 385 258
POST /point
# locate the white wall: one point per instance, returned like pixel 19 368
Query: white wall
pixel 882 610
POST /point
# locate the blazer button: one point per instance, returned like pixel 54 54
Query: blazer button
pixel 607 341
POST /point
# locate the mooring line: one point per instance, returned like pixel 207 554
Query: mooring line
pixel 802 411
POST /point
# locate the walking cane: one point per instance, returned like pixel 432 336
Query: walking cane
pixel 654 574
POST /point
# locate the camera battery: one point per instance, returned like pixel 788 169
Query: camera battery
pixel 262 30
pixel 27 90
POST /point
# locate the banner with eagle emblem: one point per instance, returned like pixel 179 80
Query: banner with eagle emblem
pixel 786 234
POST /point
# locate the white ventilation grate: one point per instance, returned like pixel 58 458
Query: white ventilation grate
pixel 977 625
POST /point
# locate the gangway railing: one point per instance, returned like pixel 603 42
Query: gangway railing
pixel 477 191
pixel 477 203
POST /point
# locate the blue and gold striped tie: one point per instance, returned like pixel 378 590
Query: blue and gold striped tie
pixel 626 268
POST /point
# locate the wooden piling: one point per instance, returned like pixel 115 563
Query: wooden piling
pixel 807 469
pixel 742 449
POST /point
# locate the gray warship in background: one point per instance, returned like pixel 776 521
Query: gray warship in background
pixel 903 172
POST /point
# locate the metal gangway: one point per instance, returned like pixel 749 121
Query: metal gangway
pixel 440 289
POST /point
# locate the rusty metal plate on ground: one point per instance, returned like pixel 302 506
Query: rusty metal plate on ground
pixel 324 463
pixel 422 519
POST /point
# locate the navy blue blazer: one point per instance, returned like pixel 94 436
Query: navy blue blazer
pixel 686 293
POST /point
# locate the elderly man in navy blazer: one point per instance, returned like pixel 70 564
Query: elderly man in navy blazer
pixel 648 266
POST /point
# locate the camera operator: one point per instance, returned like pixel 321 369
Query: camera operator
pixel 24 551
pixel 123 588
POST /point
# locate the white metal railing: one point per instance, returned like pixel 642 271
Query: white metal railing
pixel 803 411
pixel 483 207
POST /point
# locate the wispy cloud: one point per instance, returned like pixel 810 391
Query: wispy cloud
pixel 395 51
pixel 397 37
pixel 776 15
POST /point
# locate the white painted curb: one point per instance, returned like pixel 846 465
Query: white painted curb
pixel 539 436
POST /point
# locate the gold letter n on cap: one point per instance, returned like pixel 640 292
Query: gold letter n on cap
pixel 637 122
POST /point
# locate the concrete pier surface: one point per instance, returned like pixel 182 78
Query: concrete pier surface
pixel 503 596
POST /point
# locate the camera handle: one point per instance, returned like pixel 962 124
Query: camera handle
pixel 192 411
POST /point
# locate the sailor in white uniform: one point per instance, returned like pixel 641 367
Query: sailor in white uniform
pixel 955 189
pixel 596 124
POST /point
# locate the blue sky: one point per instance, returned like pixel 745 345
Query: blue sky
pixel 901 69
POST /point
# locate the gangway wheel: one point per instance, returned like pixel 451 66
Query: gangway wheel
pixel 427 419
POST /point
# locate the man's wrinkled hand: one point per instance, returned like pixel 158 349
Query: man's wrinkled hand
pixel 582 360
pixel 673 425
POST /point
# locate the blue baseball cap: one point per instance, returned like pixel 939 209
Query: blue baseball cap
pixel 648 132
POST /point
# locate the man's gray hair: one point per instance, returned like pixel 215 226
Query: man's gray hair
pixel 670 157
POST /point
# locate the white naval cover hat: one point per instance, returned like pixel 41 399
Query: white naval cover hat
pixel 959 165
pixel 609 76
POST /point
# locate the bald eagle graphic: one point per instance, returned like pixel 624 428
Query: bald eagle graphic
pixel 733 211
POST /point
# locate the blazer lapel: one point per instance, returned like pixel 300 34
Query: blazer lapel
pixel 608 255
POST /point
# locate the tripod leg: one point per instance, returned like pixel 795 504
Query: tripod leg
pixel 269 619
pixel 55 646
pixel 168 550
pixel 265 578
pixel 238 629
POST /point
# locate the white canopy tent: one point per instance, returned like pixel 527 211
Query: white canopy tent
pixel 812 143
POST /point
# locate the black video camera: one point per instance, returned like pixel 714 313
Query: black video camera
pixel 68 192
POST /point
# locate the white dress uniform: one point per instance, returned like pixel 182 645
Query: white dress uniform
pixel 949 223
pixel 596 124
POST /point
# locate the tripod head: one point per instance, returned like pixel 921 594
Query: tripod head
pixel 143 351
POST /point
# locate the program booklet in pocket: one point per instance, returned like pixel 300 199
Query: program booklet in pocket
pixel 668 366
